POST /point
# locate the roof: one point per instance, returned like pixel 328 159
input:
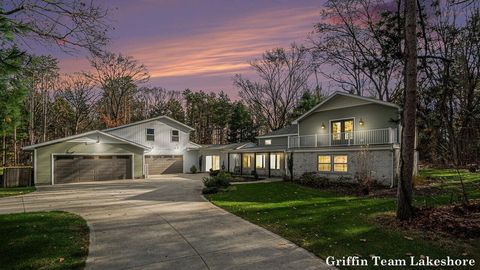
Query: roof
pixel 271 148
pixel 77 136
pixel 289 130
pixel 373 100
pixel 149 120
pixel 231 146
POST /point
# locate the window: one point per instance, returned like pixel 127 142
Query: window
pixel 175 136
pixel 268 142
pixel 324 163
pixel 246 161
pixel 260 161
pixel 212 163
pixel 276 161
pixel 340 163
pixel 150 134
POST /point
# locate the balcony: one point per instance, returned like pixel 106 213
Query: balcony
pixel 359 137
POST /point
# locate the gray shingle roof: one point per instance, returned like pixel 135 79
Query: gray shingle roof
pixel 292 129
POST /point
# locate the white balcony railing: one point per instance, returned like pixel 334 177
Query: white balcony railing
pixel 359 137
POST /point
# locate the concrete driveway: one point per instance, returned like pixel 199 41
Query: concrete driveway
pixel 164 223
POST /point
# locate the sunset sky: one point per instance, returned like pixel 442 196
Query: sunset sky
pixel 200 44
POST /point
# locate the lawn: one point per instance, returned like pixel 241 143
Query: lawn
pixel 5 192
pixel 43 240
pixel 328 224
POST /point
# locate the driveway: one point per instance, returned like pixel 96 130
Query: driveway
pixel 164 223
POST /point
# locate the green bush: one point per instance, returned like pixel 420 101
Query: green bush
pixel 214 172
pixel 193 169
pixel 209 190
pixel 312 179
pixel 221 180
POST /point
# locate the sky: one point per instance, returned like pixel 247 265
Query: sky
pixel 201 44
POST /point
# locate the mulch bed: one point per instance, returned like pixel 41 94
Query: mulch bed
pixel 462 221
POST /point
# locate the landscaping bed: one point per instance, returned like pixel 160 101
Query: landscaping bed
pixel 460 220
pixel 43 240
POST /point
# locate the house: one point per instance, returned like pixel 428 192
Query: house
pixel 154 146
pixel 341 138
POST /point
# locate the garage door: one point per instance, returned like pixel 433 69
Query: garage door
pixel 164 164
pixel 71 169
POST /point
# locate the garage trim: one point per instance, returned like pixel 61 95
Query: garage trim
pixel 89 154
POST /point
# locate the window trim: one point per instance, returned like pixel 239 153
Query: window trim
pixel 323 163
pixel 147 135
pixel 174 136
pixel 343 163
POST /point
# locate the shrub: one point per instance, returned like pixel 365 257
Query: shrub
pixel 209 190
pixel 214 172
pixel 312 179
pixel 193 169
pixel 255 174
pixel 473 168
pixel 221 180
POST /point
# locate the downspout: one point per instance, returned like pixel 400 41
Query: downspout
pixel 269 165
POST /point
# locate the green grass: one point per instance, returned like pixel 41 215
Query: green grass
pixel 5 192
pixel 449 180
pixel 43 240
pixel 333 225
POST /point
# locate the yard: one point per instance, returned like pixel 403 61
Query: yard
pixel 43 240
pixel 5 192
pixel 329 224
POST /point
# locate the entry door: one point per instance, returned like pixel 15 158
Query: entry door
pixel 342 132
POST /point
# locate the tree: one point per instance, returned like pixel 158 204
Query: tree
pixel 405 187
pixel 358 45
pixel 118 77
pixel 307 101
pixel 67 24
pixel 283 78
pixel 241 127
pixel 77 92
pixel 12 94
pixel 156 101
pixel 42 75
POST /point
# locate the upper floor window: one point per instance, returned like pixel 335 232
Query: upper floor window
pixel 268 142
pixel 175 135
pixel 150 132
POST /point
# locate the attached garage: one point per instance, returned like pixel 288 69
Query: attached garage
pixel 91 156
pixel 163 164
pixel 81 168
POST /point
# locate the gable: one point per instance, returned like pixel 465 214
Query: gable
pixel 339 101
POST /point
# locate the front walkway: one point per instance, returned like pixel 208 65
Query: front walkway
pixel 164 223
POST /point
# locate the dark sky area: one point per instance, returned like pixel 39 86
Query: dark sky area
pixel 200 44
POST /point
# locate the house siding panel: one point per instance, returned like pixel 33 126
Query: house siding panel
pixel 375 116
pixel 276 141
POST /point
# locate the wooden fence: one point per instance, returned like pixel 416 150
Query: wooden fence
pixel 17 177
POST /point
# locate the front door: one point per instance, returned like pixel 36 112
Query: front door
pixel 342 132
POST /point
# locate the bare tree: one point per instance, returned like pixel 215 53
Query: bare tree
pixel 67 24
pixel 405 187
pixel 155 101
pixel 78 92
pixel 357 45
pixel 118 77
pixel 283 78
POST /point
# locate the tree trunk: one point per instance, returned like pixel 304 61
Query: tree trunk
pixel 405 188
pixel 15 159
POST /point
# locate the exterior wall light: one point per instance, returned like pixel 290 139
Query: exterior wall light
pixel 323 125
pixel 361 123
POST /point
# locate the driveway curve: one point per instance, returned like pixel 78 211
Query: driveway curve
pixel 163 223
